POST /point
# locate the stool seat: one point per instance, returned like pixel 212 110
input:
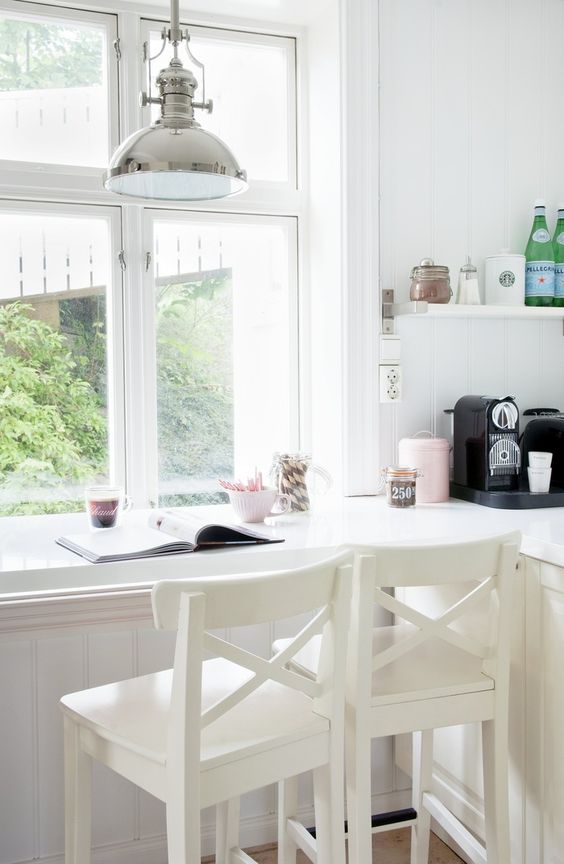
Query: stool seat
pixel 430 671
pixel 135 714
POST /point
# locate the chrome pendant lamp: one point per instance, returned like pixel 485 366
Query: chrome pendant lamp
pixel 174 158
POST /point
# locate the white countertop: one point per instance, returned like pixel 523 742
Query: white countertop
pixel 31 562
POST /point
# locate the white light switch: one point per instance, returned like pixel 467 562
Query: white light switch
pixel 390 349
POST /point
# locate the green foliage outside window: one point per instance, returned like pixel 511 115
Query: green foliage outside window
pixel 194 386
pixel 52 429
pixel 36 56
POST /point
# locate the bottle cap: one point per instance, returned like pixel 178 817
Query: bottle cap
pixel 540 202
pixel 561 206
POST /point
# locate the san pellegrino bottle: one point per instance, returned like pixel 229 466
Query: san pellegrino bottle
pixel 558 246
pixel 539 261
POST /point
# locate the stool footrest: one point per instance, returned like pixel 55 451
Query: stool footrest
pixel 382 821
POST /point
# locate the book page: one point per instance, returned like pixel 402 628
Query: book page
pixel 125 540
pixel 184 527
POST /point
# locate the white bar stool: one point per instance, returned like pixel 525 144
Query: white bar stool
pixel 426 673
pixel 209 730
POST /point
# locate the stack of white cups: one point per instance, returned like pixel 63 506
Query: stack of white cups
pixel 539 472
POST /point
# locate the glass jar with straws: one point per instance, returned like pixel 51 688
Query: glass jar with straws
pixel 291 475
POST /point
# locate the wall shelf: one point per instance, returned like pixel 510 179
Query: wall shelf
pixel 455 310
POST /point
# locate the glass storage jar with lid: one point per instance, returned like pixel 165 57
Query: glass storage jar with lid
pixel 400 485
pixel 430 282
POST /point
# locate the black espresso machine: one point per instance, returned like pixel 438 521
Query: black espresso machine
pixel 491 458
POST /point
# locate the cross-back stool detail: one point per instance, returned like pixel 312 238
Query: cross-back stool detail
pixel 209 730
pixel 428 627
pixel 265 670
pixel 393 687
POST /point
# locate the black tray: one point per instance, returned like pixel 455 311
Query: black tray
pixel 520 499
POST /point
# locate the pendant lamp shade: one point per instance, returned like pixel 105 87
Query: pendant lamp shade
pixel 174 164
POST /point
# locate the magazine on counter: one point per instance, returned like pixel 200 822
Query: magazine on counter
pixel 128 542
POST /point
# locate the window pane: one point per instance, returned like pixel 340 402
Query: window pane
pixel 53 91
pixel 248 82
pixel 224 371
pixel 53 361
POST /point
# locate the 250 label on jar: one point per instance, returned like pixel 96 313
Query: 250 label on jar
pixel 401 493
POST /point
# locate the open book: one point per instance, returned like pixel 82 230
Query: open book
pixel 128 542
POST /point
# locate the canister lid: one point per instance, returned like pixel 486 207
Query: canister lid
pixel 427 269
pixel 505 254
pixel 424 445
pixel 401 472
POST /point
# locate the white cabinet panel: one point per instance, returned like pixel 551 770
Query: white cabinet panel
pixel 553 712
pixel 17 753
pixel 546 748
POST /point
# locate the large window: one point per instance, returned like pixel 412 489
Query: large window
pixel 147 345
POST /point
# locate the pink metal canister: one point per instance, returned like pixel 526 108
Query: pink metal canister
pixel 431 456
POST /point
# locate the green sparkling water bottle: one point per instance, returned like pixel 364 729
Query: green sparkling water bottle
pixel 558 246
pixel 539 264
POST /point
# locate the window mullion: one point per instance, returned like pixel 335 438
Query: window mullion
pixel 140 399
pixel 116 374
pixel 130 82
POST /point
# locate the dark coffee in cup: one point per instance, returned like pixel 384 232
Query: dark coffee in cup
pixel 103 514
pixel 105 504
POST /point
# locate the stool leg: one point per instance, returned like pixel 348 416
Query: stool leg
pixel 78 793
pixel 227 829
pixel 422 775
pixel 287 809
pixel 359 804
pixel 496 792
pixel 183 823
pixel 329 800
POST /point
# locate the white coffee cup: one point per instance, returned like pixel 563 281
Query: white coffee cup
pixel 540 459
pixel 256 506
pixel 539 480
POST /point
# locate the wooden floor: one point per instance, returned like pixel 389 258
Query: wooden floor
pixel 389 847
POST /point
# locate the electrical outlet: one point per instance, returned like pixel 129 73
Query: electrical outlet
pixel 390 383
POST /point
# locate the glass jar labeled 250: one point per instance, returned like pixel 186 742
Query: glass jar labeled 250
pixel 400 486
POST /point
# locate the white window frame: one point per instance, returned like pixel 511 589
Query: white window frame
pixel 22 175
pixel 114 312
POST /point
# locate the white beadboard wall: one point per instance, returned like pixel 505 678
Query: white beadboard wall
pixel 472 132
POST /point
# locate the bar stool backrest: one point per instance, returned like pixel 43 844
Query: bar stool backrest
pixel 195 607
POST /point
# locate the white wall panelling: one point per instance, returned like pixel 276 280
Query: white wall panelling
pixel 469 137
pixel 444 359
pixel 470 132
pixel 359 200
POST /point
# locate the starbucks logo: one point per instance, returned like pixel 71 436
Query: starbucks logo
pixel 507 278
